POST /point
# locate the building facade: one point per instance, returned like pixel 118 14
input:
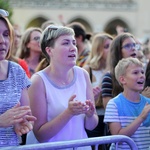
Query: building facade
pixel 95 15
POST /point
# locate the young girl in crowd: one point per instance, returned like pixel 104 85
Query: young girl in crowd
pixel 123 46
pixel 96 65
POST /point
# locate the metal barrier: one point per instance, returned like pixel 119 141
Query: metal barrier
pixel 78 143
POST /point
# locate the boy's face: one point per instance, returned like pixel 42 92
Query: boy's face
pixel 134 78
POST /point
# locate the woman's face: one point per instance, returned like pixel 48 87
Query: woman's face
pixel 4 40
pixel 34 44
pixel 64 51
pixel 106 48
pixel 129 48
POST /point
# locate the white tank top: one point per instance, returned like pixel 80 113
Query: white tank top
pixel 57 101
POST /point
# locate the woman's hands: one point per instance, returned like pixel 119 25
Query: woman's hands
pixel 18 116
pixel 25 126
pixel 14 115
pixel 76 107
pixel 96 92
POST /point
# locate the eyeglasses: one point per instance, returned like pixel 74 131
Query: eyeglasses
pixel 36 38
pixel 131 46
pixel 106 46
pixel 4 13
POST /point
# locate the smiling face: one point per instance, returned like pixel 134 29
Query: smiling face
pixel 134 78
pixel 127 49
pixel 64 51
pixel 4 40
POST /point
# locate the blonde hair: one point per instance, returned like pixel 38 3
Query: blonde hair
pixel 95 59
pixel 123 64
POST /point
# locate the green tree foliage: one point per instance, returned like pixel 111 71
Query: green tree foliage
pixel 4 4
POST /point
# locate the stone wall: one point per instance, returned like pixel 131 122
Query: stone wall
pixel 76 4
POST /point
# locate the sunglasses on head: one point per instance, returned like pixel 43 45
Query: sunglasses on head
pixel 51 27
pixel 4 13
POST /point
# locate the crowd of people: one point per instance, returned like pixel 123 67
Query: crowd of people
pixel 57 79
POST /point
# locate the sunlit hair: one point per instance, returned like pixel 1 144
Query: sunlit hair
pixel 11 34
pixel 95 59
pixel 50 34
pixel 24 51
pixel 123 64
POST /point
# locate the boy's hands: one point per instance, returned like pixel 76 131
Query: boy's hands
pixel 145 111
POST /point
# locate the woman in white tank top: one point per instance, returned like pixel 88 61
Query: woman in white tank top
pixel 61 94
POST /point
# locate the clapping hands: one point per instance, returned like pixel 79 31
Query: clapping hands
pixel 76 107
pixel 25 126
pixel 146 92
pixel 96 92
pixel 18 116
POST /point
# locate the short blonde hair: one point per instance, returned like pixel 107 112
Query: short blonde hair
pixel 123 64
pixel 50 34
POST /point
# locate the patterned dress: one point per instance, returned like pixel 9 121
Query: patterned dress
pixel 10 93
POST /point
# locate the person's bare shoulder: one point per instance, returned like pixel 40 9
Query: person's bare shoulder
pixel 87 68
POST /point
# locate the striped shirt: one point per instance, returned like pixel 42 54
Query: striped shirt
pixel 107 85
pixel 119 109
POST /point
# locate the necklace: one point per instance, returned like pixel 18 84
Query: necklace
pixel 61 79
pixel 64 82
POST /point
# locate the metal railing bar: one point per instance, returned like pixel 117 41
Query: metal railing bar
pixel 78 143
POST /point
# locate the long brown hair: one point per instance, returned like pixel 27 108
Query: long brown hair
pixel 24 51
pixel 114 56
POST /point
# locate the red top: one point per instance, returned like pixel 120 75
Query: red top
pixel 24 65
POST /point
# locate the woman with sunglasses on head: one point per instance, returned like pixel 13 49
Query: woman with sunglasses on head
pixel 64 92
pixel 30 49
pixel 15 114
